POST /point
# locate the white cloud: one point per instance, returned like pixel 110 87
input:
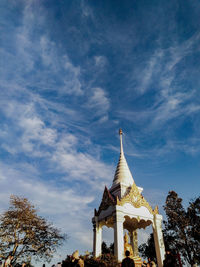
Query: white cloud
pixel 67 208
pixel 169 101
pixel 151 69
pixel 103 119
pixel 98 101
pixel 85 237
pixel 82 167
pixel 36 139
pixel 179 51
pixel 54 71
pixel 170 110
pixel 86 10
pixel 34 129
pixel 172 105
pixel 55 201
pixel 100 61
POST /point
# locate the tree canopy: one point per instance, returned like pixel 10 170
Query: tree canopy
pixel 24 234
pixel 182 227
pixel 147 250
pixel 106 249
pixel 181 230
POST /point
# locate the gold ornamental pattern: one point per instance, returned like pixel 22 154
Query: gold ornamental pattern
pixel 136 199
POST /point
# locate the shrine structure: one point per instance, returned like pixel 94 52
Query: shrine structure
pixel 124 207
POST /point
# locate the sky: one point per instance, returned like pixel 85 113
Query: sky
pixel 71 74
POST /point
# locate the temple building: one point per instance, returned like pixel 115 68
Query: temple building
pixel 123 207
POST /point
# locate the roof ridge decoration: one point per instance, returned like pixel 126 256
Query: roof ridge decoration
pixel 107 201
pixel 136 199
pixel 122 173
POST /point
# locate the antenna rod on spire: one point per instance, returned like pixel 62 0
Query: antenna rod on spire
pixel 121 146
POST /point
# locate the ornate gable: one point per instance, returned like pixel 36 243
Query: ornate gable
pixel 107 200
pixel 136 199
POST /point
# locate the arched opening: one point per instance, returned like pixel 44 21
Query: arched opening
pixel 132 227
pixel 107 240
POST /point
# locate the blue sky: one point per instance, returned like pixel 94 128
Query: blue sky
pixel 71 74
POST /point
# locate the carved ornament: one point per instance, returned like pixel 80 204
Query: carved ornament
pixel 136 199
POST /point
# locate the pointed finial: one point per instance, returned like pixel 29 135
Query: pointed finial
pixel 121 146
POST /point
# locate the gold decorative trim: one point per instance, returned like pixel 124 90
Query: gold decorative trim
pixel 136 199
pixel 108 222
pixel 156 211
pixel 107 201
pixel 131 224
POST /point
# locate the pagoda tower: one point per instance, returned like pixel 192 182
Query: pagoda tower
pixel 124 207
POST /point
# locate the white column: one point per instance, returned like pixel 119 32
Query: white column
pixel 158 239
pixel 119 236
pixel 97 237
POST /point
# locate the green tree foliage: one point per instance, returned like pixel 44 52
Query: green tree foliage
pixel 147 250
pixel 106 249
pixel 194 215
pixel 24 234
pixel 182 227
pixel 181 232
